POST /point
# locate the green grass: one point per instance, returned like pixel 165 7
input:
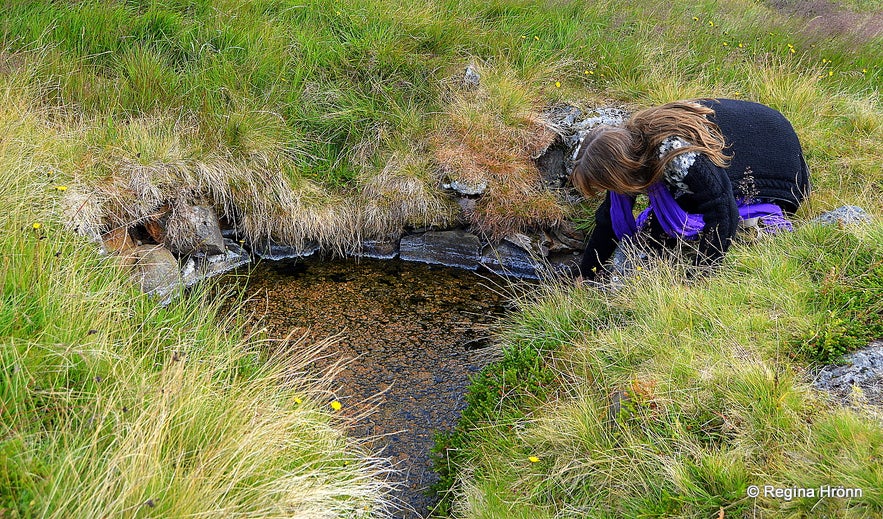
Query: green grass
pixel 332 122
pixel 714 382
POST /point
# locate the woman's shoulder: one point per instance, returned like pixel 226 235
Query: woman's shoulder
pixel 680 164
pixel 677 169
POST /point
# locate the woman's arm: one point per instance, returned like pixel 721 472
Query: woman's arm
pixel 712 197
pixel 601 244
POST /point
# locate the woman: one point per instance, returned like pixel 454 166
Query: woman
pixel 705 165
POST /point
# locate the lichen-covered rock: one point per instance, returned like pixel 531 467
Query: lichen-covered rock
pixel 863 369
pixel 154 268
pixel 471 77
pixel 450 248
pixel 468 188
pixel 844 215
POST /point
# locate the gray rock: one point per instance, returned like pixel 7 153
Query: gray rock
pixel 553 165
pixel 274 251
pixel 202 267
pixel 379 249
pixel 471 77
pixel 556 162
pixel 845 215
pixel 563 116
pixel 508 259
pixel 450 248
pixel 155 269
pixel 193 229
pixel 862 369
pixel 467 189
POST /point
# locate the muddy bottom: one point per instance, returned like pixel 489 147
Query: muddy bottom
pixel 414 333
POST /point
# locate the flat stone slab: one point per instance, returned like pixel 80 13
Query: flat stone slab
pixel 275 251
pixel 449 248
pixel 507 259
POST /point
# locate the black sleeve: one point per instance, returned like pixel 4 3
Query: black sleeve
pixel 601 244
pixel 714 200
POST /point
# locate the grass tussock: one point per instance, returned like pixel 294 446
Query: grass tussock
pixel 490 135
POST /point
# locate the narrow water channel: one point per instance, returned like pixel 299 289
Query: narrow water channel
pixel 412 333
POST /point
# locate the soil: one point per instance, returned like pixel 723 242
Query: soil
pixel 413 335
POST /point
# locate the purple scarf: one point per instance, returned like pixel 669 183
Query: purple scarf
pixel 678 223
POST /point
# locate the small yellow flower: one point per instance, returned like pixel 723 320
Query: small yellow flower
pixel 726 44
pixel 523 37
pixel 298 400
pixel 639 267
pixel 824 60
pixel 37 225
pixel 737 94
pixel 533 459
pixel 790 46
pixel 741 45
pixel 793 51
pixel 695 18
pixel 337 406
pixel 537 38
pixel 830 73
pixel 557 84
pixel 61 188
pixel 864 71
pixel 710 23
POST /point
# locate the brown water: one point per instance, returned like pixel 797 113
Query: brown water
pixel 415 334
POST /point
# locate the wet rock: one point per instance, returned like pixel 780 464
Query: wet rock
pixel 274 251
pixel 155 269
pixel 508 259
pixel 471 77
pixel 117 241
pixel 379 249
pixel 193 229
pixel 845 215
pixel 863 369
pixel 202 267
pixel 450 248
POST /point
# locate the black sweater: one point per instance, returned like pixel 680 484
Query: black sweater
pixel 767 165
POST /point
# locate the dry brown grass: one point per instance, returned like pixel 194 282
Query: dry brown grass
pixel 490 135
pixel 403 194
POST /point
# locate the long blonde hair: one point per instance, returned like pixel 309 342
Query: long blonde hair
pixel 626 159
